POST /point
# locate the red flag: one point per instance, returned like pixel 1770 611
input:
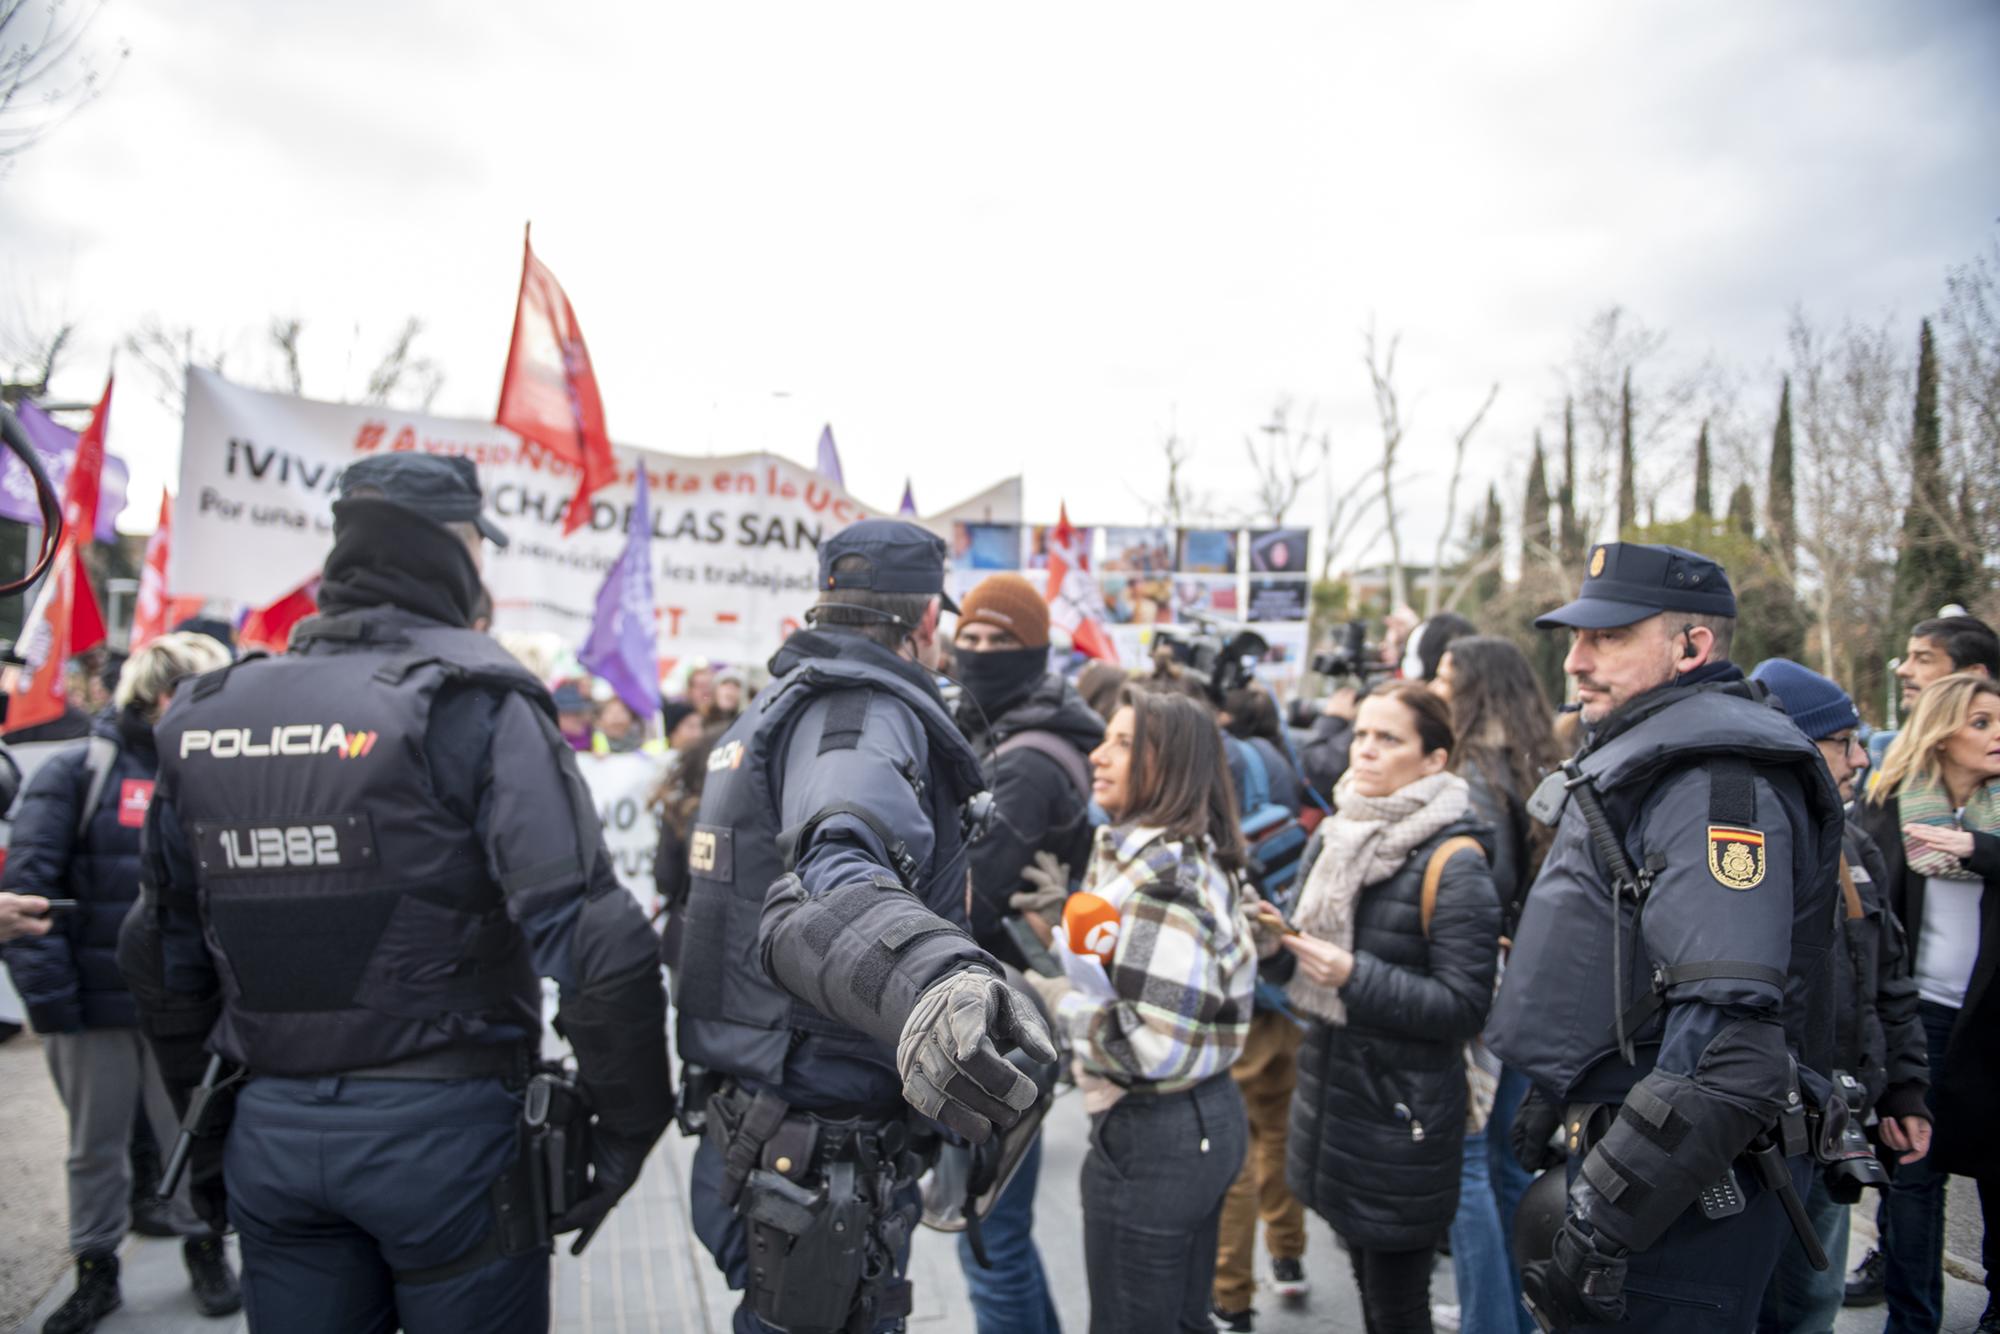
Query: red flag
pixel 65 620
pixel 549 394
pixel 270 628
pixel 1073 596
pixel 156 612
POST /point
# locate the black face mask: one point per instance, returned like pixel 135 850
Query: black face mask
pixel 997 679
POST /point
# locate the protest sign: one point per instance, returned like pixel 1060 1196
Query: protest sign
pixel 620 786
pixel 735 539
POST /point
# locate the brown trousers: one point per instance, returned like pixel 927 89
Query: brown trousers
pixel 1265 1073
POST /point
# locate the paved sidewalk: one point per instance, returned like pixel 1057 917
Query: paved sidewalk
pixel 647 1272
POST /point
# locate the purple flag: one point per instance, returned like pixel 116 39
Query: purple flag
pixel 829 457
pixel 57 446
pixel 623 647
pixel 909 505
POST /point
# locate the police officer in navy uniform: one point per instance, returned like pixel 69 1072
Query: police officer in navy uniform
pixel 1668 993
pixel 360 858
pixel 826 984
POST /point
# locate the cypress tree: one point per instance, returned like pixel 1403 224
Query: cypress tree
pixel 1628 503
pixel 1931 568
pixel 1778 495
pixel 1535 508
pixel 1704 503
pixel 1572 524
pixel 1743 510
pixel 1487 586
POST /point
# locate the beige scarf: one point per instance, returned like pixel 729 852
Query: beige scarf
pixel 1367 841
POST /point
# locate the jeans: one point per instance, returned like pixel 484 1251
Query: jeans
pixel 1510 1181
pixel 1801 1299
pixel 1395 1289
pixel 1479 1257
pixel 1912 1216
pixel 1011 1297
pixel 1153 1183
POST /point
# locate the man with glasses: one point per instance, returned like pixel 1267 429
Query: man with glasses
pixel 1878 1040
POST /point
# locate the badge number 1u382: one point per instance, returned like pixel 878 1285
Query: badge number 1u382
pixel 1735 856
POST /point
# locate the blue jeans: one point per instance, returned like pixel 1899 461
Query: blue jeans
pixel 1510 1179
pixel 1479 1258
pixel 1011 1297
pixel 1801 1299
pixel 1912 1215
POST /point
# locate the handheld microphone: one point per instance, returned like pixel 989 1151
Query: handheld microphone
pixel 1091 926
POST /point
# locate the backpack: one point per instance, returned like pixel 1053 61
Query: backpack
pixel 1273 837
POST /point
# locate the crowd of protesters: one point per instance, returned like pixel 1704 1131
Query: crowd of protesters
pixel 1311 923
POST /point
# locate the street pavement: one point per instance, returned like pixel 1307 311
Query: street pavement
pixel 645 1271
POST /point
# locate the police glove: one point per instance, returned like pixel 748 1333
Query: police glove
pixel 1048 881
pixel 1533 1133
pixel 615 1164
pixel 951 1053
pixel 1579 1284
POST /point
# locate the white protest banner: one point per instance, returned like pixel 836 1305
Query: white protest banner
pixel 620 787
pixel 735 538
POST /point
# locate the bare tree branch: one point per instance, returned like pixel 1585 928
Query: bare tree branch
pixel 1435 592
pixel 1388 413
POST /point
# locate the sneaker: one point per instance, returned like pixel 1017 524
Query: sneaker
pixel 1864 1285
pixel 1445 1318
pixel 215 1290
pixel 1288 1276
pixel 1241 1322
pixel 96 1296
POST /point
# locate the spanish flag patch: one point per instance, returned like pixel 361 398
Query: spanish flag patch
pixel 1735 856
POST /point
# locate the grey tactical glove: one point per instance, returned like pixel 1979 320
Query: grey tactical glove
pixel 952 1059
pixel 1048 881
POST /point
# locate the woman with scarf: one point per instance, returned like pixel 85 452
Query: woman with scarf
pixel 1935 813
pixel 1393 994
pixel 1167 1126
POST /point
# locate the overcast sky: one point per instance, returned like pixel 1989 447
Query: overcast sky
pixel 1033 238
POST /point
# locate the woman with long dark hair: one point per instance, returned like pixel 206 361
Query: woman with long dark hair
pixel 1505 744
pixel 1396 979
pixel 1168 1132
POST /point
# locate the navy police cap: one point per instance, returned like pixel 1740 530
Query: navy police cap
pixel 442 488
pixel 899 557
pixel 1628 581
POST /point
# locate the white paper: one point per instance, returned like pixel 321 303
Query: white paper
pixel 1085 971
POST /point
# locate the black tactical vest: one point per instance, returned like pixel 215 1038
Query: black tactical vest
pixel 351 917
pixel 1553 1018
pixel 732 1018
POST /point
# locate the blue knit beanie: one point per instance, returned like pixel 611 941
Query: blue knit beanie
pixel 1817 705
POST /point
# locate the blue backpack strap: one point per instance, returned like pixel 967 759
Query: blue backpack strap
pixel 1292 754
pixel 1257 785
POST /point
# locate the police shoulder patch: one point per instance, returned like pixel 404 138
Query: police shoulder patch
pixel 1735 856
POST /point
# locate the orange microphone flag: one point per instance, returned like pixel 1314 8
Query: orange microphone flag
pixel 65 620
pixel 1091 925
pixel 549 393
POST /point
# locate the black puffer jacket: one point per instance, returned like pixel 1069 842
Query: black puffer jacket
pixel 1035 805
pixel 1877 1036
pixel 69 978
pixel 1378 1118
